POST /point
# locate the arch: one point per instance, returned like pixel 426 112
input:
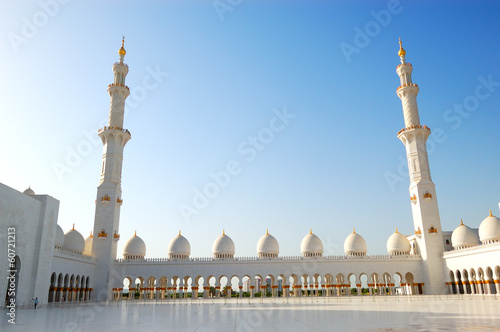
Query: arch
pixel 465 282
pixel 246 282
pixel 490 284
pixel 363 280
pixel 480 277
pixel 52 287
pixel 458 277
pixel 453 283
pixel 236 286
pixel 409 283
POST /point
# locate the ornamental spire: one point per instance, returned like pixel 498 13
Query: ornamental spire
pixel 122 51
pixel 401 52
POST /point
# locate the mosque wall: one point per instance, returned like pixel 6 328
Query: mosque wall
pixel 332 271
pixel 27 233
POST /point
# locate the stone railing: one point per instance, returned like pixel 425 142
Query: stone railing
pixel 256 259
pixel 414 127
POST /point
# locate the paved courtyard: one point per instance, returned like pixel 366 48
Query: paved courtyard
pixel 422 313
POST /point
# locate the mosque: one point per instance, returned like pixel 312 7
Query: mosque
pixel 55 266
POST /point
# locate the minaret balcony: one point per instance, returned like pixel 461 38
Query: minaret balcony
pixel 113 128
pixel 118 84
pixel 414 127
pixel 406 85
pixel 404 64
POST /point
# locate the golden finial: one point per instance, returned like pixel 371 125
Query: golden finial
pixel 461 222
pixel 353 231
pixel 135 233
pixel 267 231
pixel 402 51
pixel 397 230
pixel 179 232
pixel 491 214
pixel 74 225
pixel 91 236
pixel 122 50
pixel 310 230
pixel 223 232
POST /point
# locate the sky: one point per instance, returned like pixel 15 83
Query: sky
pixel 284 112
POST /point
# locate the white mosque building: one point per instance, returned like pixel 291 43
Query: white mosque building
pixel 57 266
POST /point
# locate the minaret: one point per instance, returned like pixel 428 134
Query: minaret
pixel 109 192
pixel 423 197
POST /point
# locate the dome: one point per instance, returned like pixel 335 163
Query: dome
pixel 88 245
pixel 398 244
pixel 73 241
pixel 29 191
pixel 311 245
pixel 179 248
pixel 59 243
pixel 268 246
pixel 134 248
pixel 355 245
pixel 223 247
pixel 489 229
pixel 463 236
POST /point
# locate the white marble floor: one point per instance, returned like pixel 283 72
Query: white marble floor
pixel 422 313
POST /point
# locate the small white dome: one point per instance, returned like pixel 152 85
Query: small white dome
pixel 398 244
pixel 223 247
pixel 88 245
pixel 267 246
pixel 311 245
pixel 134 248
pixel 29 191
pixel 73 241
pixel 489 229
pixel 463 236
pixel 355 245
pixel 59 242
pixel 179 248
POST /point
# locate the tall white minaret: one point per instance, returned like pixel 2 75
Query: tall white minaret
pixel 109 192
pixel 423 196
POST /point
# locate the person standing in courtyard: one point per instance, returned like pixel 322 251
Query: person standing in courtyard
pixel 35 302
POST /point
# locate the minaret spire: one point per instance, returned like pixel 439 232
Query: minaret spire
pixel 422 190
pixel 401 53
pixel 108 201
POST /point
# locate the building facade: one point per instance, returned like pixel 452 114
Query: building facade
pixel 59 267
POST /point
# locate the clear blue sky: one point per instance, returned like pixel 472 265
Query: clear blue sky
pixel 220 73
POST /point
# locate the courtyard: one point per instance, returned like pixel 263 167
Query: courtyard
pixel 366 313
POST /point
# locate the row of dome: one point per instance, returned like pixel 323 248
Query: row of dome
pixel 311 245
pixel 489 232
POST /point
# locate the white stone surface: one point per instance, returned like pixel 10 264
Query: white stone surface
pixel 422 313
